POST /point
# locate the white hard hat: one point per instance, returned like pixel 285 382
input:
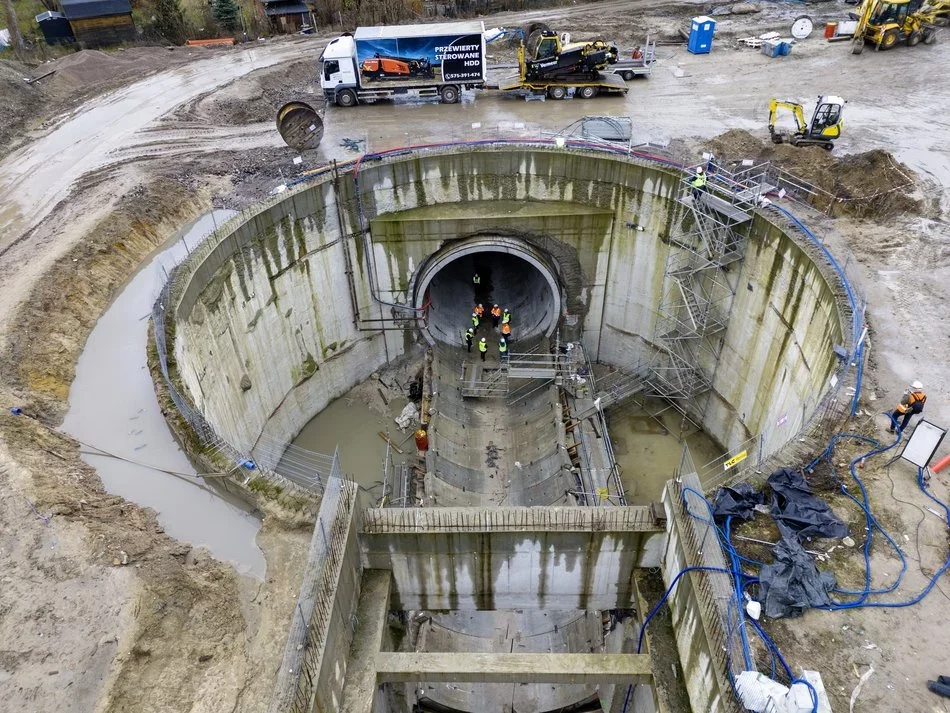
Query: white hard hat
pixel 916 385
pixel 700 169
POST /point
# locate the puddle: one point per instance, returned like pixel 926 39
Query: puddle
pixel 112 406
pixel 648 454
pixel 354 427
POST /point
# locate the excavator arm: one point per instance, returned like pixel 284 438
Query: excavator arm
pixel 797 111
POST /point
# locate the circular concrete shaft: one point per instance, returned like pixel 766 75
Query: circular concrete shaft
pixel 513 274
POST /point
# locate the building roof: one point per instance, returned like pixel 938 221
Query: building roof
pixel 282 7
pixel 49 15
pixel 82 9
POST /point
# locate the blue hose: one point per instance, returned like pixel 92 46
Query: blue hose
pixel 871 523
pixel 666 594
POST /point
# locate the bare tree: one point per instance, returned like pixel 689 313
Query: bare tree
pixel 15 35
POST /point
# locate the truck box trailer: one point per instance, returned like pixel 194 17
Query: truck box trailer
pixel 439 60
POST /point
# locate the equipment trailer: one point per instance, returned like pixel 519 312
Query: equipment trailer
pixel 442 60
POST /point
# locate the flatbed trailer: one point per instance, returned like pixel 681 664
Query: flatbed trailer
pixel 582 87
pixel 629 67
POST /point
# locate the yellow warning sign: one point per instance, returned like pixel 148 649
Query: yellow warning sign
pixel 737 458
pixel 603 493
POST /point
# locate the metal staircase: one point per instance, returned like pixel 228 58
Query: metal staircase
pixel 699 287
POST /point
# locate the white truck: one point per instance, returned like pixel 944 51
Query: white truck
pixel 442 60
pixel 439 60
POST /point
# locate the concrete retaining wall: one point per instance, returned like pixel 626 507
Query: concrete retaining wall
pixel 698 604
pixel 473 558
pixel 266 330
pixel 267 333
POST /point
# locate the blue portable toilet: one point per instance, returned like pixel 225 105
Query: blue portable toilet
pixel 701 30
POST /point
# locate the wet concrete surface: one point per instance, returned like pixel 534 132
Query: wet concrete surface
pixel 649 451
pixel 112 406
pixel 351 425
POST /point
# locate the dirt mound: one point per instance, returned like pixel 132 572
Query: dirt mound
pixel 258 96
pixel 19 102
pixel 870 184
pixel 87 67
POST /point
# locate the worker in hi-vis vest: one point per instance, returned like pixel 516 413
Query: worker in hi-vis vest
pixel 698 183
pixel 912 403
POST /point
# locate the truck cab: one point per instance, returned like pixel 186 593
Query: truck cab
pixel 338 70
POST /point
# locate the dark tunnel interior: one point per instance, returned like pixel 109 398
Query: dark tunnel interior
pixel 507 280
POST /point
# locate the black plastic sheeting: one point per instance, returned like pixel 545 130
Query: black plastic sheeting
pixel 792 583
pixel 739 502
pixel 797 512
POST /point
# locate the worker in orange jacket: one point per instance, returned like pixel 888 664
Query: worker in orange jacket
pixel 506 331
pixel 479 310
pixel 912 403
pixel 495 316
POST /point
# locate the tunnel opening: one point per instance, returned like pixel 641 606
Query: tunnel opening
pixel 511 274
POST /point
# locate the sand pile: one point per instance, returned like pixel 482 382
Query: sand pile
pixel 872 184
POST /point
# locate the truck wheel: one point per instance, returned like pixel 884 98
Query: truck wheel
pixel 346 98
pixel 587 92
pixel 450 94
pixel 627 76
pixel 930 36
pixel 557 92
pixel 913 39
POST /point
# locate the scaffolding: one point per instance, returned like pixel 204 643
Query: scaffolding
pixel 699 286
pixel 531 369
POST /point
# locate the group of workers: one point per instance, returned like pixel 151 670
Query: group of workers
pixel 498 317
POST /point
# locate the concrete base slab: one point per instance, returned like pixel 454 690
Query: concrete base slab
pixel 360 688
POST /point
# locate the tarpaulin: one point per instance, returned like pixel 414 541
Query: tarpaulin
pixel 797 512
pixel 792 583
pixel 739 502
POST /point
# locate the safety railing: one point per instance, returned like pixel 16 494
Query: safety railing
pixel 310 624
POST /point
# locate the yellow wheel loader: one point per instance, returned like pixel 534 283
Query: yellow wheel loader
pixel 824 127
pixel 884 24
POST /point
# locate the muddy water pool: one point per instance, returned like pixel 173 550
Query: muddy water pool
pixel 112 406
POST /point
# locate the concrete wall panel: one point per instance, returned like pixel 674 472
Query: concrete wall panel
pixel 512 570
